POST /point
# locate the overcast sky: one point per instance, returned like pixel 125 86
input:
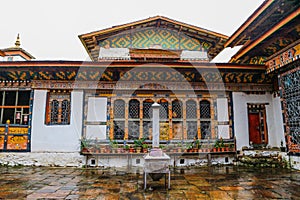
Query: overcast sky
pixel 49 29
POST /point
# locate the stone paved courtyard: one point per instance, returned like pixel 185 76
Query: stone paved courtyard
pixel 202 183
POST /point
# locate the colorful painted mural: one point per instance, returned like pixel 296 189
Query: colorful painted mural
pixel 283 58
pixel 149 37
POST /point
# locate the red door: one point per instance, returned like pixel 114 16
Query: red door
pixel 254 128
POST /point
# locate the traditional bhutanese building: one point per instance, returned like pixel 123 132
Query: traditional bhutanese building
pixel 271 36
pixel 55 106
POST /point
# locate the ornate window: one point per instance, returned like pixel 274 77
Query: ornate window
pixel 119 121
pixel 191 118
pixel 58 109
pixel 134 109
pixel 290 83
pixel 119 109
pixel 205 119
pixel 176 109
pixel 147 109
pixel 205 109
pixel 147 115
pixel 164 110
pixel 134 119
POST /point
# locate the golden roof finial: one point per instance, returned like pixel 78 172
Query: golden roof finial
pixel 18 43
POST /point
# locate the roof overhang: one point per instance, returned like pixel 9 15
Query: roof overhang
pixel 270 36
pixel 18 51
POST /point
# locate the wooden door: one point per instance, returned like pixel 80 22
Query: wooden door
pixel 254 128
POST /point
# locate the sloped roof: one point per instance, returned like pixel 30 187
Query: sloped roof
pixel 273 23
pixel 19 51
pixel 91 40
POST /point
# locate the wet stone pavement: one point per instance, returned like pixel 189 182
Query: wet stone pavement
pixel 202 183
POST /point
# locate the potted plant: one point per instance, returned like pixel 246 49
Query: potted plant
pixel 138 144
pixel 85 145
pixel 196 145
pixel 222 145
pixel 145 147
pixel 114 146
pixel 188 147
pixel 216 146
pixel 131 149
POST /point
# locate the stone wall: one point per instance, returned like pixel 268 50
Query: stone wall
pixel 261 158
pixel 42 159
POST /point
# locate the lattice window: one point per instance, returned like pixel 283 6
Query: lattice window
pixel 133 130
pixel 119 109
pixel 205 130
pixel 192 130
pixel 291 93
pixel 205 109
pixel 54 112
pixel 119 130
pixel 177 109
pixel 134 109
pixel 164 109
pixel 58 108
pixel 147 109
pixel 191 109
pixel 65 113
pixel 147 127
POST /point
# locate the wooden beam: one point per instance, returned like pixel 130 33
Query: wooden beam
pixel 267 34
pixel 248 22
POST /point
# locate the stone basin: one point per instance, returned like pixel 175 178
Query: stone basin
pixel 156 164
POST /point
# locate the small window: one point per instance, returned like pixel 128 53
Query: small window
pixel 10 58
pixel 58 108
pixel 14 106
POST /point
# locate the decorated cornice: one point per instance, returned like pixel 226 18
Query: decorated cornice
pixel 116 87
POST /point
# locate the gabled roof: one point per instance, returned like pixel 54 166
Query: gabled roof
pixel 91 40
pixel 272 23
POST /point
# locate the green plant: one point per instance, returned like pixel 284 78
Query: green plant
pixel 197 144
pixel 188 145
pixel 222 143
pixel 113 143
pixel 217 144
pixel 139 142
pixel 145 146
pixel 85 143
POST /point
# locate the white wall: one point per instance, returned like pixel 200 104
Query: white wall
pixel 15 58
pixel 97 113
pixel 223 117
pixel 273 112
pixel 56 138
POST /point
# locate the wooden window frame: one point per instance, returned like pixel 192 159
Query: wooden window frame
pixel 60 96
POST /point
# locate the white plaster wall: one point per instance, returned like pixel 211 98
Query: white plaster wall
pixel 15 58
pixel 222 115
pixel 56 138
pixel 274 118
pixel 277 126
pixel 97 112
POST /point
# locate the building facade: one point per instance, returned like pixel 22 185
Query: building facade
pixel 53 108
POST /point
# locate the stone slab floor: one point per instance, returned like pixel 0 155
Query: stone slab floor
pixel 201 183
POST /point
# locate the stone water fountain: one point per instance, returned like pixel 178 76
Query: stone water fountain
pixel 156 161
